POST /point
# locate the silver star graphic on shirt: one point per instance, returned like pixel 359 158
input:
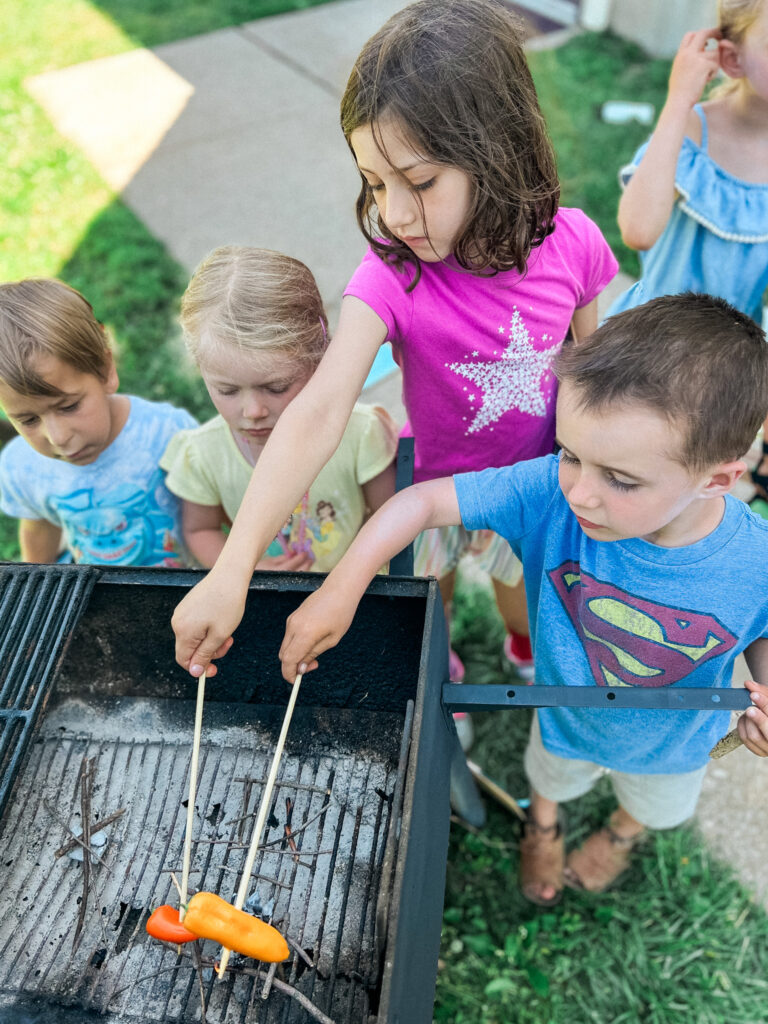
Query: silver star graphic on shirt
pixel 511 382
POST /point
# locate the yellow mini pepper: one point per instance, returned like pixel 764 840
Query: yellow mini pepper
pixel 210 917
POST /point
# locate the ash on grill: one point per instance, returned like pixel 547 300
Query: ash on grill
pixel 81 941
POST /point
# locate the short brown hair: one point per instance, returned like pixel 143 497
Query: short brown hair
pixel 453 75
pixel 45 317
pixel 693 358
pixel 258 300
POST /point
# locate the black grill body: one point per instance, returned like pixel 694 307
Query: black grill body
pixel 364 782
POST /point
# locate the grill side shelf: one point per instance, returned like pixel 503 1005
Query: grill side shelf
pixel 496 697
pixel 39 609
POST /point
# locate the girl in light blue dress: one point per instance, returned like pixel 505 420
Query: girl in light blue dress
pixel 695 202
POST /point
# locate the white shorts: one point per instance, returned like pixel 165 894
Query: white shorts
pixel 656 801
pixel 438 552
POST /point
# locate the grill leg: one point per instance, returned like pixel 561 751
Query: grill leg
pixel 466 801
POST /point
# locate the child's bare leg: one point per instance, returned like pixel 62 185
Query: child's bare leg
pixel 542 853
pixel 511 604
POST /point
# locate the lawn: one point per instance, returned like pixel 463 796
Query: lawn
pixel 680 943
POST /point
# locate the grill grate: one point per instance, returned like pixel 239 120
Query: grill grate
pixel 326 902
pixel 39 608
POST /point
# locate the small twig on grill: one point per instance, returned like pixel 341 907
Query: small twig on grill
pixel 97 826
pixel 287 784
pixel 274 853
pixel 297 831
pixel 287 827
pixel 274 842
pixel 196 956
pixel 175 881
pixel 145 977
pixel 247 787
pixel 268 981
pixel 86 783
pixel 225 867
pixel 302 953
pixel 286 989
pixel 76 840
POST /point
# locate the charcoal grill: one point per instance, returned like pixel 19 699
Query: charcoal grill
pixel 365 768
pixel 87 679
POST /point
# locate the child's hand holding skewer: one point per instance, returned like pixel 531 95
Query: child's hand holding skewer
pixel 753 724
pixel 751 728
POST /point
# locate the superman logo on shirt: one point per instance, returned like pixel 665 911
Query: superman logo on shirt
pixel 633 642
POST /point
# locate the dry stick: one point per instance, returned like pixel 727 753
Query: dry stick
pixel 261 818
pixel 86 771
pixel 192 794
pixel 97 826
pixel 76 840
pixel 268 981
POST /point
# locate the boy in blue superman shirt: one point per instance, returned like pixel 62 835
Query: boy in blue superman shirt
pixel 640 570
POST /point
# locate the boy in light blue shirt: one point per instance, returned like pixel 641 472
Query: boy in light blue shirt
pixel 640 569
pixel 84 475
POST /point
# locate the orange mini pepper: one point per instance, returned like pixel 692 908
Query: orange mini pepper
pixel 211 917
pixel 164 924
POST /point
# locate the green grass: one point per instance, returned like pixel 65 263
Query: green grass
pixel 573 82
pixel 678 942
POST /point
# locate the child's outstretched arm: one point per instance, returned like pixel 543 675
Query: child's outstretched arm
pixel 753 724
pixel 323 619
pixel 39 540
pixel 647 201
pixel 306 435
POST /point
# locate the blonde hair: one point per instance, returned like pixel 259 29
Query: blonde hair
pixel 735 18
pixel 258 300
pixel 45 317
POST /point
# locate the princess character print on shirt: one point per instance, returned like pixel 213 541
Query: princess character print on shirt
pixel 630 641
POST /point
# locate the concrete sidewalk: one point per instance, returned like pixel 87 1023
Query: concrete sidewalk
pixel 233 137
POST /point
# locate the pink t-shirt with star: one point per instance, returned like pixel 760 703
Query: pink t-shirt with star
pixel 476 352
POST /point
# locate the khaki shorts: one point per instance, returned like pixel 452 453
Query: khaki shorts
pixel 656 801
pixel 438 552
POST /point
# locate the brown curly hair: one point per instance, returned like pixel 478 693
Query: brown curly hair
pixel 453 75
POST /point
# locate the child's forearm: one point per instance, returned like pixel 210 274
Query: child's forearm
pixel 205 546
pixel 646 204
pixel 321 621
pixel 39 540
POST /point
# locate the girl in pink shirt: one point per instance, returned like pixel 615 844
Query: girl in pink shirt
pixel 473 275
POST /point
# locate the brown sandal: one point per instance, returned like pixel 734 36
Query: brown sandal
pixel 600 861
pixel 542 855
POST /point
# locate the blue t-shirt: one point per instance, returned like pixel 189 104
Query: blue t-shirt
pixel 626 613
pixel 114 511
pixel 716 238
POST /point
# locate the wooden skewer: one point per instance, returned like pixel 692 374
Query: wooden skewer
pixel 731 741
pixel 261 817
pixel 192 794
pixel 495 790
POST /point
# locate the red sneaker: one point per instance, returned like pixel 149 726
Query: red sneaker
pixel 517 649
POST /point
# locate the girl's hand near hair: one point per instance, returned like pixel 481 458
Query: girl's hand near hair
pixel 695 64
pixel 648 199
